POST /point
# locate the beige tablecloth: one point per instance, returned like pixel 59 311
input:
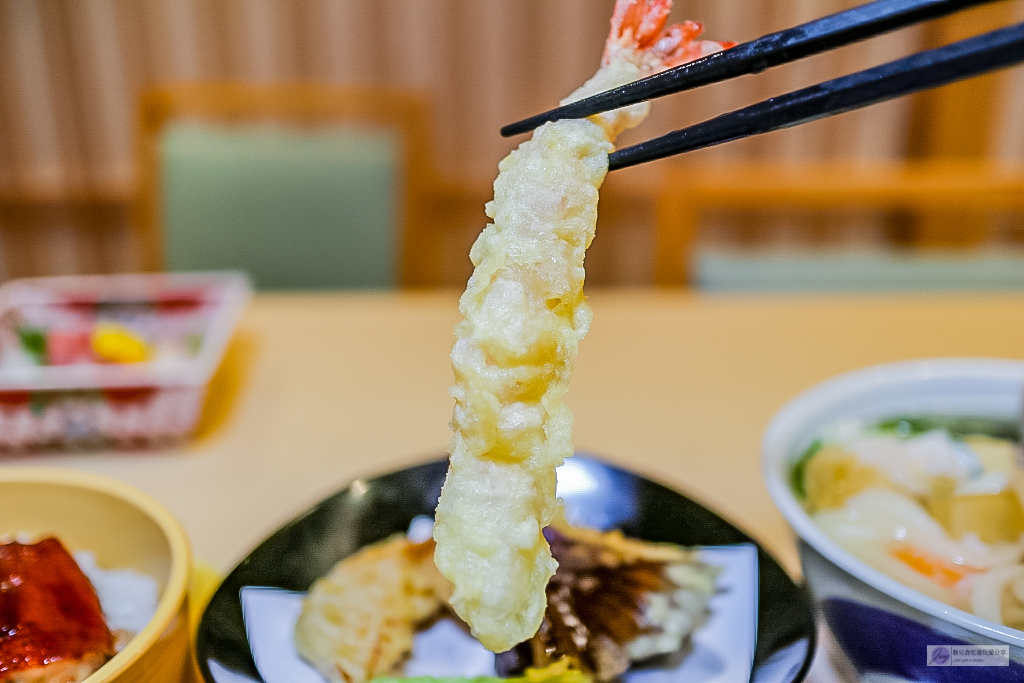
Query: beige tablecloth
pixel 677 386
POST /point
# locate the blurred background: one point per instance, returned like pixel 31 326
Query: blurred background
pixel 98 174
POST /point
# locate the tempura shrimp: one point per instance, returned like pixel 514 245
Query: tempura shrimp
pixel 524 315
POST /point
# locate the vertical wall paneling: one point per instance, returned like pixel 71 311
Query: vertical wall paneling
pixel 258 50
pixel 214 40
pixel 567 40
pixel 66 87
pixel 70 72
pixel 1009 145
pixel 19 245
pixel 171 35
pixel 9 135
pixel 140 58
pixel 63 167
pixel 810 140
pixel 4 251
pixel 489 35
pixel 1009 135
pixel 951 128
pixel 42 163
pixel 343 34
pixel 879 131
pixel 107 96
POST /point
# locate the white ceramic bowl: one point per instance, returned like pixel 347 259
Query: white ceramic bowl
pixel 882 626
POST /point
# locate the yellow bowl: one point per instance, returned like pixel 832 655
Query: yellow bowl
pixel 125 529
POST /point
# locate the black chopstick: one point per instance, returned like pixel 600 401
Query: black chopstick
pixel 963 59
pixel 755 56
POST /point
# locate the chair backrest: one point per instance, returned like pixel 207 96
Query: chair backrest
pixel 950 191
pixel 303 185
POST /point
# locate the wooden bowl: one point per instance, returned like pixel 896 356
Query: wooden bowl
pixel 125 529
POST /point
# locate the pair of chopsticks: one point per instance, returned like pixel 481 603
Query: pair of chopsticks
pixel 963 59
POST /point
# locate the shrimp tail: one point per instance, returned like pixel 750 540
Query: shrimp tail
pixel 640 44
pixel 636 24
pixel 638 29
pixel 678 44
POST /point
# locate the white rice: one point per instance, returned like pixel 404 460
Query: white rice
pixel 128 599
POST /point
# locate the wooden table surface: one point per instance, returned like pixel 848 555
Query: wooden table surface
pixel 677 386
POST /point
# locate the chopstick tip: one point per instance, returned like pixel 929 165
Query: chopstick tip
pixel 524 126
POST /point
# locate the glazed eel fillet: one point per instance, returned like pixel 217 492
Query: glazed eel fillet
pixel 52 628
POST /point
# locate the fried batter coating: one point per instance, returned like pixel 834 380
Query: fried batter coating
pixel 358 621
pixel 524 316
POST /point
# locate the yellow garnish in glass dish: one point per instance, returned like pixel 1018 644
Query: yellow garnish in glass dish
pixel 524 316
pixel 115 343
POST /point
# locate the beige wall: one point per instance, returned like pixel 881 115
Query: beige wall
pixel 70 71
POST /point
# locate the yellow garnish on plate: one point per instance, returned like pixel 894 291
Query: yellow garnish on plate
pixel 115 343
pixel 557 672
pixel 560 671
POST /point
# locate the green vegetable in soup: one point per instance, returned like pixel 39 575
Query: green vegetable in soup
pixel 958 427
pixel 800 468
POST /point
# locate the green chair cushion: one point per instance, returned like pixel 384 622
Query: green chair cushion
pixel 863 271
pixel 295 208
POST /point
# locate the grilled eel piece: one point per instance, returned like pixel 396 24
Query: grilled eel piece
pixel 52 629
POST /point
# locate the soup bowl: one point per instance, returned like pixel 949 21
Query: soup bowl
pixel 884 628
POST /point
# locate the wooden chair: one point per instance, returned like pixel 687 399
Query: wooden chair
pixel 948 185
pixel 299 105
pixel 930 189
